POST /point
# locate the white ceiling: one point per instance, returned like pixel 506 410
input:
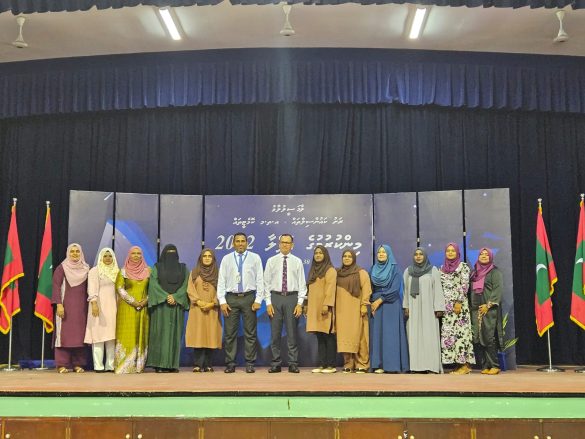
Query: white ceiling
pixel 138 29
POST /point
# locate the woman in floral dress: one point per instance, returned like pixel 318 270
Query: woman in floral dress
pixel 456 336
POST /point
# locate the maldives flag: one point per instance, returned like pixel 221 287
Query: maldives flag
pixel 43 308
pixel 578 297
pixel 9 299
pixel 546 277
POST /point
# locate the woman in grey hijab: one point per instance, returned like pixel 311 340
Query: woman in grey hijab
pixel 423 305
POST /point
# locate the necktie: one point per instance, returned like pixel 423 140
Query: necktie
pixel 284 276
pixel 240 271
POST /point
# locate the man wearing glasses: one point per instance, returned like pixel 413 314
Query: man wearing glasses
pixel 286 289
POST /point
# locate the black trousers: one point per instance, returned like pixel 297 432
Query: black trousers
pixel 202 357
pixel 284 307
pixel 326 349
pixel 240 307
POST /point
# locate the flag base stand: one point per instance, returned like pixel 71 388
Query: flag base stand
pixel 551 369
pixel 41 368
pixel 580 370
pixel 8 368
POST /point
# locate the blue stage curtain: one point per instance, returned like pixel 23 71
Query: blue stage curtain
pixel 30 6
pixel 306 149
pixel 313 76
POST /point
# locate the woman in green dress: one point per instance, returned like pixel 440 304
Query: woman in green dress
pixel 167 303
pixel 132 316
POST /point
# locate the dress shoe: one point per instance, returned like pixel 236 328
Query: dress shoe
pixel 361 371
pixel 485 371
pixel 274 369
pixel 317 370
pixel 250 369
pixel 230 369
pixel 379 371
pixel 293 369
pixel 329 370
pixel 493 371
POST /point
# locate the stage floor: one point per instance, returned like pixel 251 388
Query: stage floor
pixel 525 381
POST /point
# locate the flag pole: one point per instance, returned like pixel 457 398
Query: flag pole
pixel 9 368
pixel 43 367
pixel 581 369
pixel 550 367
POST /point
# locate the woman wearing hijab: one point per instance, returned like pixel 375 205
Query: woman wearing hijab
pixel 456 338
pixel 100 331
pixel 132 318
pixel 167 302
pixel 351 314
pixel 388 345
pixel 70 295
pixel 423 305
pixel 321 284
pixel 486 316
pixel 203 326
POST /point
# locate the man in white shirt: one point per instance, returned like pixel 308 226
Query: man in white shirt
pixel 285 290
pixel 240 289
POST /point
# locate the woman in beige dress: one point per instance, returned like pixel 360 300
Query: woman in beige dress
pixel 203 326
pixel 351 314
pixel 321 285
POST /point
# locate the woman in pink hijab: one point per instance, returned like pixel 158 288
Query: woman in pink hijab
pixel 132 318
pixel 70 296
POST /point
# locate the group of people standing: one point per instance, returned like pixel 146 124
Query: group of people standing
pixel 380 320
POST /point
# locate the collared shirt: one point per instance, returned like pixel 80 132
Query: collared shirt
pixel 252 275
pixel 295 276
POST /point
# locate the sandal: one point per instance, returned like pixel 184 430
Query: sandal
pixel 78 369
pixel 62 369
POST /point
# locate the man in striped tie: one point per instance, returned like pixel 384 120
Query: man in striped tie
pixel 286 289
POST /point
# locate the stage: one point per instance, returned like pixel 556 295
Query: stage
pixel 520 403
pixel 523 382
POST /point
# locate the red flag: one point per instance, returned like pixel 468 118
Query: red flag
pixel 9 298
pixel 546 277
pixel 43 307
pixel 578 296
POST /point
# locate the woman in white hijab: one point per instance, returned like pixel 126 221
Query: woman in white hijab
pixel 100 331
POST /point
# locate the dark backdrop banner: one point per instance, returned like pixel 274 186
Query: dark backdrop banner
pixel 339 222
pixel 136 224
pixel 395 223
pixel 440 219
pixel 304 149
pixel 91 223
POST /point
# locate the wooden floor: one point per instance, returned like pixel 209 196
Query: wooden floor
pixel 525 381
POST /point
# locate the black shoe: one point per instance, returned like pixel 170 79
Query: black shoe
pixel 100 371
pixel 250 369
pixel 230 369
pixel 293 369
pixel 275 369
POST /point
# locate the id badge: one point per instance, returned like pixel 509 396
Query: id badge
pixel 238 278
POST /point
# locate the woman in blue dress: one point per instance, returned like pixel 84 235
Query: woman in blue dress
pixel 388 345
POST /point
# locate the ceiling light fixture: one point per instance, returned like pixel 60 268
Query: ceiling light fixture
pixel 562 35
pixel 417 23
pixel 169 21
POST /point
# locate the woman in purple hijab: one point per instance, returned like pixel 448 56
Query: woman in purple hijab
pixel 456 336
